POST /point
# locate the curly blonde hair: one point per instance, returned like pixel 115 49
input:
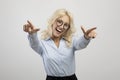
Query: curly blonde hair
pixel 68 35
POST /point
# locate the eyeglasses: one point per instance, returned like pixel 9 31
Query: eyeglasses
pixel 60 22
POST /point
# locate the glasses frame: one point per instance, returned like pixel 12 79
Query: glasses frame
pixel 60 22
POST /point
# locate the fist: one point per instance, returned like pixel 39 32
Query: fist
pixel 29 28
pixel 90 33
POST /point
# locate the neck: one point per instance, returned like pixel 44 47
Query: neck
pixel 55 39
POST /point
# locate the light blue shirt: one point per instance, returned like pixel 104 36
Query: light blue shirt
pixel 58 61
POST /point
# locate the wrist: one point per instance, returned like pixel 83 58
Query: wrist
pixel 86 37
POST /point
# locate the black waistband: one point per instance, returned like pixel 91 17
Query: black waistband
pixel 71 77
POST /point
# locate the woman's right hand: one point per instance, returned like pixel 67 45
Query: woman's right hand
pixel 29 27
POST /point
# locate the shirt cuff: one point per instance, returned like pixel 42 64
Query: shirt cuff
pixel 33 35
pixel 84 39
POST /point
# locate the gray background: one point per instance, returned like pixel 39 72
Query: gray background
pixel 99 61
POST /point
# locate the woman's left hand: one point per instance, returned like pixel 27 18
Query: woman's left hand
pixel 90 33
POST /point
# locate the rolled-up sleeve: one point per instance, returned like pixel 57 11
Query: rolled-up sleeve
pixel 80 42
pixel 35 43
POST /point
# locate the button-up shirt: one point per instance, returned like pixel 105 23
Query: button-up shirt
pixel 58 61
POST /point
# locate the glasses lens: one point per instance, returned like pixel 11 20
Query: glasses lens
pixel 59 22
pixel 66 26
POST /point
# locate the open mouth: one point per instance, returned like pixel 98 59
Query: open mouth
pixel 59 30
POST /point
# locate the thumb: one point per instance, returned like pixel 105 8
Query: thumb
pixel 34 31
pixel 37 29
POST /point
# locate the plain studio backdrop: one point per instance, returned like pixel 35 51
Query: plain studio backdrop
pixel 99 61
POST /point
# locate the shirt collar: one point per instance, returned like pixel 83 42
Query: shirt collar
pixel 48 38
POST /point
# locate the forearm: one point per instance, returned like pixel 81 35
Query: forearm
pixel 81 42
pixel 35 43
pixel 33 39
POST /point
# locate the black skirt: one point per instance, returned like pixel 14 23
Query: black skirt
pixel 72 77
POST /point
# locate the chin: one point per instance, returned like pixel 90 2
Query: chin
pixel 57 36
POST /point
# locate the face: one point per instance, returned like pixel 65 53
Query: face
pixel 60 26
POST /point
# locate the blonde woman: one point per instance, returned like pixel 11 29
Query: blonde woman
pixel 57 45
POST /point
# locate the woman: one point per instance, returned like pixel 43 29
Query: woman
pixel 58 45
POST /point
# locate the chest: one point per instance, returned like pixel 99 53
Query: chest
pixel 54 52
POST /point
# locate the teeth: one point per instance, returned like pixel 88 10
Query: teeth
pixel 59 30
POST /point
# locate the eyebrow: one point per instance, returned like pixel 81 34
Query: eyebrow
pixel 63 21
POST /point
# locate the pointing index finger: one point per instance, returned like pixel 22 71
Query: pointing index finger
pixel 31 25
pixel 91 29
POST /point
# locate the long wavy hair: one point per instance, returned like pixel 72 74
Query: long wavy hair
pixel 68 35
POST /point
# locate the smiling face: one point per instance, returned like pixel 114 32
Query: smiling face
pixel 60 26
